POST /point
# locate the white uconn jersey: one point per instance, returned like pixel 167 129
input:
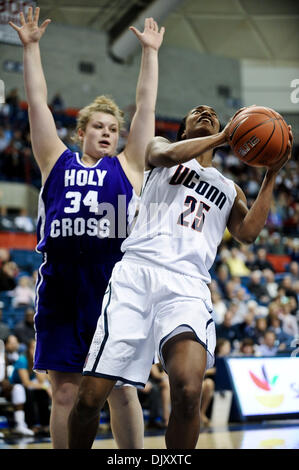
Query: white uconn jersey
pixel 182 217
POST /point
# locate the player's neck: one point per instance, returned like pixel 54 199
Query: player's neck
pixel 88 160
pixel 205 159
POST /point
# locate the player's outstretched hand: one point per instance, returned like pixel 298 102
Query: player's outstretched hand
pixel 29 31
pixel 286 157
pixel 151 36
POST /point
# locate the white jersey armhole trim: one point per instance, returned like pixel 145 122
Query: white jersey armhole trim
pixel 42 216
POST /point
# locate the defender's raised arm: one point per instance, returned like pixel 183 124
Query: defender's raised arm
pixel 46 144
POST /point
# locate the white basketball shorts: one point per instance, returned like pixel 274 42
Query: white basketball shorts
pixel 145 305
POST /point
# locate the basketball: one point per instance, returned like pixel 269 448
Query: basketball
pixel 258 136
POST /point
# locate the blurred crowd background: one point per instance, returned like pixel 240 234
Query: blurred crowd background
pixel 255 289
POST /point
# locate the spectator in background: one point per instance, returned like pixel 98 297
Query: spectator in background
pixel 247 347
pixel 275 218
pixel 158 394
pixel 8 273
pixel 276 245
pixel 257 289
pixel 4 328
pixel 251 261
pixel 259 329
pixel 4 139
pixel 240 305
pixel 14 394
pixel 263 239
pixel 289 321
pixel 261 262
pixel 24 330
pixel 270 283
pixel 4 256
pixel 37 388
pixel 227 330
pixel 296 290
pixel 293 269
pixel 287 285
pixel 275 324
pixel 222 277
pixel 12 347
pixel 219 307
pixel 246 327
pixel 57 103
pixel 160 378
pixel 208 388
pixel 24 294
pixel 223 347
pixel 236 263
pixel 13 166
pixel 232 287
pixel 293 248
pixel 13 101
pixel 268 346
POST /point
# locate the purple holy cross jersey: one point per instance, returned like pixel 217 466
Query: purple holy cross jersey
pixel 83 217
pixel 84 210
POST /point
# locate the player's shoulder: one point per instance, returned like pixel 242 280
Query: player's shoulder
pixel 68 155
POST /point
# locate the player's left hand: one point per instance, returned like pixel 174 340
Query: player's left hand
pixel 226 131
pixel 151 36
pixel 285 158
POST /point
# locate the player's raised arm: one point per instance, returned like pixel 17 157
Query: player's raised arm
pixel 45 142
pixel 142 128
pixel 161 152
pixel 245 225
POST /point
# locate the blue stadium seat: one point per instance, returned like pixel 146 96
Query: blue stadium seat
pixel 27 260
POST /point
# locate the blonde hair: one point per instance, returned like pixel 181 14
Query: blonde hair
pixel 103 104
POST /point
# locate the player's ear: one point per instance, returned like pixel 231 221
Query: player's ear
pixel 81 134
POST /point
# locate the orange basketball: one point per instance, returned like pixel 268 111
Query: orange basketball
pixel 258 136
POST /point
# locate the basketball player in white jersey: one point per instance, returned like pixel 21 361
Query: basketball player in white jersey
pixel 157 298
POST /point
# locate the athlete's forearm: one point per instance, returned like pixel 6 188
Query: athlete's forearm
pixel 256 217
pixel 147 85
pixel 34 79
pixel 163 153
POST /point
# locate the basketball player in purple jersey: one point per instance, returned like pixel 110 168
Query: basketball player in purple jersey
pixel 160 285
pixel 84 208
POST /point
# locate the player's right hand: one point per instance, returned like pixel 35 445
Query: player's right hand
pixel 273 169
pixel 29 31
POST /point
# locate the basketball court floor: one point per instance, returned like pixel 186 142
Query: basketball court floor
pixel 262 435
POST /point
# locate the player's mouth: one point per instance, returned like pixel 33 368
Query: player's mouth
pixel 206 119
pixel 104 143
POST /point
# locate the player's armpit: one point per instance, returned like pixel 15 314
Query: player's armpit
pixel 46 145
pixel 158 153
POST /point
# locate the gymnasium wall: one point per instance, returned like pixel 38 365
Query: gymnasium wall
pixel 271 85
pixel 186 77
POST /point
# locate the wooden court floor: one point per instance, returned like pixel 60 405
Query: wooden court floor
pixel 280 435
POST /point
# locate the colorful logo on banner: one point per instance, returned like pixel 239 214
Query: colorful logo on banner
pixel 269 399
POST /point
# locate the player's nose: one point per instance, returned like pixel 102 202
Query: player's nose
pixel 106 132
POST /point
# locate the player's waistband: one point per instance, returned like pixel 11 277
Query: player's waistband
pixel 129 256
pixel 57 257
